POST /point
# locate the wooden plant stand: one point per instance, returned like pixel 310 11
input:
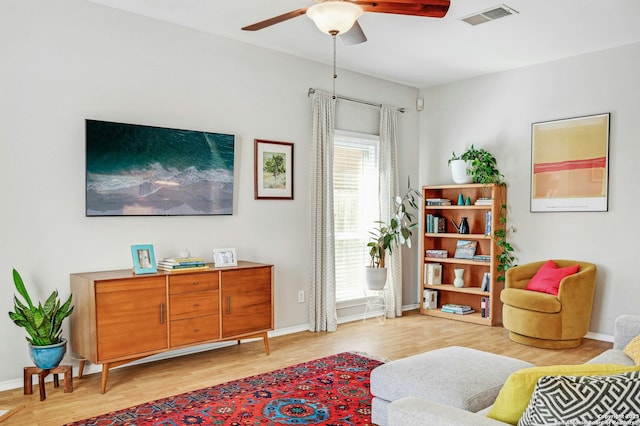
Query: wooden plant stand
pixel 67 370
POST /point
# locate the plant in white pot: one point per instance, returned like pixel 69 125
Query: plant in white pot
pixel 43 323
pixel 459 169
pixel 389 235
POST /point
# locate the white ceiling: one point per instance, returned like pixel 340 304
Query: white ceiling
pixel 419 52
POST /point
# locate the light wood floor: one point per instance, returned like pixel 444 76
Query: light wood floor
pixel 397 338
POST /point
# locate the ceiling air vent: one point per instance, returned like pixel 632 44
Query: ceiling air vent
pixel 489 15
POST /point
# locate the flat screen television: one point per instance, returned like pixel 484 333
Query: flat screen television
pixel 137 170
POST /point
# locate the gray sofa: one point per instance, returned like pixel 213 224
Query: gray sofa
pixel 411 410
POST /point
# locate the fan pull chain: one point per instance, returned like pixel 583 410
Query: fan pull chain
pixel 335 75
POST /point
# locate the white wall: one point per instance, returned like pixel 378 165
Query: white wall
pixel 68 60
pixel 496 112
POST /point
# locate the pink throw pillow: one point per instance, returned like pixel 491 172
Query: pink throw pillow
pixel 548 277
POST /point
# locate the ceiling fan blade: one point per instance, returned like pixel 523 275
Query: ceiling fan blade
pixel 275 20
pixel 354 36
pixel 427 8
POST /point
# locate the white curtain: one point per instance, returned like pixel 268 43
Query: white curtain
pixel 388 192
pixel 322 295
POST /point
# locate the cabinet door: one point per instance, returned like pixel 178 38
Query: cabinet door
pixel 246 301
pixel 130 317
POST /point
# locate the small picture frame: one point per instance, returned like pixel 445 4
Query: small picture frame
pixel 144 259
pixel 224 257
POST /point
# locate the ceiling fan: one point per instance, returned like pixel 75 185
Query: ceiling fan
pixel 329 14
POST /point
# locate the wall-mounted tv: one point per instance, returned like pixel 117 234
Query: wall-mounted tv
pixel 137 170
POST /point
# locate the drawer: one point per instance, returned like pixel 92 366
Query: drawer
pixel 193 282
pixel 194 304
pixel 194 330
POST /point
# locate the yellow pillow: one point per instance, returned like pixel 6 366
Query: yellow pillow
pixel 632 350
pixel 517 390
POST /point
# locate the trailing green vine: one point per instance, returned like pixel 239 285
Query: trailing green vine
pixel 506 256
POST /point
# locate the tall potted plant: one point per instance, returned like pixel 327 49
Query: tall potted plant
pixel 43 323
pixel 389 235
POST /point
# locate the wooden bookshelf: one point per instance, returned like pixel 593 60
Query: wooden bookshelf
pixel 471 294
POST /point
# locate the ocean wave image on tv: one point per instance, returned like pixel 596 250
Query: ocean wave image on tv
pixel 136 170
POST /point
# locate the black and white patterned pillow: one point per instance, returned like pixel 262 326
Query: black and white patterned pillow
pixel 585 400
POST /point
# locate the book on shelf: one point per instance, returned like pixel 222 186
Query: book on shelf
pixel 453 308
pixel 440 254
pixel 487 223
pixel 465 249
pixel 481 258
pixel 435 224
pixel 484 307
pixel 438 202
pixel 482 201
pixel 432 273
pixel 486 282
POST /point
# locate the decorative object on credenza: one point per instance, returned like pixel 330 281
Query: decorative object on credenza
pixel 273 174
pixel 459 278
pixel 224 257
pixel 182 264
pixel 43 323
pixel 136 170
pixel 570 164
pixel 144 259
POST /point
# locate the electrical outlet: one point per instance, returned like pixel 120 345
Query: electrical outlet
pixel 300 296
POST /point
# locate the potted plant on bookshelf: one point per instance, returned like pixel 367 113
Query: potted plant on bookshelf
pixel 389 235
pixel 43 323
pixel 482 166
pixel 459 169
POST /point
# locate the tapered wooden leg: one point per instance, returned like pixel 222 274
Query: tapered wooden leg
pixel 81 368
pixel 265 338
pixel 105 376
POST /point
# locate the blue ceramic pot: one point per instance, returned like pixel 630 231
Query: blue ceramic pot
pixel 48 357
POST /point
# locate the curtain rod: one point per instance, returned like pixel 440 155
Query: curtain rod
pixel 346 98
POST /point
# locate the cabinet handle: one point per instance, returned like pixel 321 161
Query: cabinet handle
pixel 228 304
pixel 162 313
pixel 196 282
pixel 195 305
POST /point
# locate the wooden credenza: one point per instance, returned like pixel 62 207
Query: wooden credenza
pixel 120 317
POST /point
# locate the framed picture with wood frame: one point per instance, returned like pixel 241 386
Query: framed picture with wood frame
pixel 273 175
pixel 570 164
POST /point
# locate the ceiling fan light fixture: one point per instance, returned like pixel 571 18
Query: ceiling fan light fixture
pixel 334 16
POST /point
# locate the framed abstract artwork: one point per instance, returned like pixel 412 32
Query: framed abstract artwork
pixel 570 164
pixel 273 173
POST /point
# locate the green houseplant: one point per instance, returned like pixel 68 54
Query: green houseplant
pixel 395 233
pixel 482 167
pixel 43 324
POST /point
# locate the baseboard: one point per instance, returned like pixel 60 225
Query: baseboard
pixel 93 368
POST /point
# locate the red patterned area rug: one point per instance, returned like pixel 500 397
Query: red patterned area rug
pixel 327 391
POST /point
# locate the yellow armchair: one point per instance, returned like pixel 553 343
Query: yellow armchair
pixel 544 320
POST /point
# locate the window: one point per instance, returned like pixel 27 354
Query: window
pixel 355 192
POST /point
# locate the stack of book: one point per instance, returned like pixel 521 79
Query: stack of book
pixel 438 202
pixel 178 264
pixel 484 201
pixel 453 308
